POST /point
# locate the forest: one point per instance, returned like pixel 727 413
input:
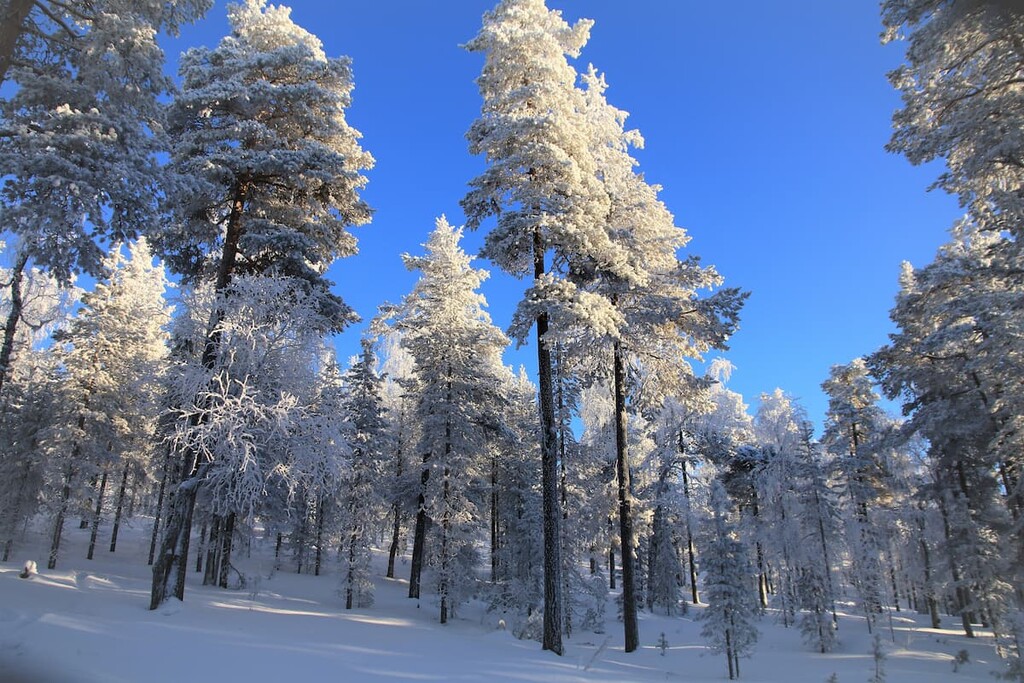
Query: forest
pixel 168 363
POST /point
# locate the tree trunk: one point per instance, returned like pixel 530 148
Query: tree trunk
pixel 611 554
pixel 494 519
pixel 96 516
pixel 120 509
pixel 445 585
pixel 690 555
pixel 17 275
pixel 213 548
pixel 549 478
pixel 12 21
pixel 160 504
pixel 396 511
pixel 201 548
pixel 170 570
pixel 420 534
pixel 58 524
pixel 319 535
pixel 227 543
pixel 629 621
pixel 396 538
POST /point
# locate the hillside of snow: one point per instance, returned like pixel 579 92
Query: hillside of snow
pixel 88 622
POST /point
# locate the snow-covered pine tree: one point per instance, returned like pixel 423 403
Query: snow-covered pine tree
pixel 267 180
pixel 457 352
pixel 400 489
pixel 779 480
pixel 368 438
pixel 517 546
pixel 116 347
pixel 819 528
pixel 29 408
pixel 82 126
pixel 729 620
pixel 960 85
pixel 542 186
pixel 950 362
pixel 854 430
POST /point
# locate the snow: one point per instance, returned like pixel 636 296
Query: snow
pixel 87 622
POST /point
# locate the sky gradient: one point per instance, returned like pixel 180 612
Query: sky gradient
pixel 765 123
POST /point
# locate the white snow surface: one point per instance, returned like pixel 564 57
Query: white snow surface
pixel 88 622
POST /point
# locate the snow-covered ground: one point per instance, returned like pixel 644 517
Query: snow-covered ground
pixel 88 621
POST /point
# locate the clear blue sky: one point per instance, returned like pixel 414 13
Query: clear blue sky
pixel 765 123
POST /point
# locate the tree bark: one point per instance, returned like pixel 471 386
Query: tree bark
pixel 495 528
pixel 629 620
pixel 227 544
pixel 319 535
pixel 690 554
pixel 420 533
pixel 549 474
pixel 12 23
pixel 396 511
pixel 58 524
pixel 169 570
pixel 96 516
pixel 17 306
pixel 160 504
pixel 120 509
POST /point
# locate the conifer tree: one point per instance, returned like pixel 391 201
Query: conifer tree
pixel 267 174
pixel 82 126
pixel 116 353
pixel 542 186
pixel 457 352
pixel 364 413
pixel 854 430
pixel 732 609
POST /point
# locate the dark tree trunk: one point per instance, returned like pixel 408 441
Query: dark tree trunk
pixel 227 543
pixel 17 275
pixel 494 520
pixel 611 554
pixel 552 639
pixel 319 535
pixel 12 20
pixel 96 515
pixel 396 539
pixel 201 548
pixel 629 621
pixel 119 509
pixel 446 526
pixel 160 504
pixel 420 533
pixel 690 553
pixel 396 512
pixel 169 570
pixel 213 549
pixel 58 524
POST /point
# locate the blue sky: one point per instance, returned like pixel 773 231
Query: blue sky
pixel 765 123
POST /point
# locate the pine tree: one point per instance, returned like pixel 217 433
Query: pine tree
pixel 457 354
pixel 81 130
pixel 542 186
pixel 267 177
pixel 960 89
pixel 854 431
pixel 732 609
pixel 364 412
pixel 117 347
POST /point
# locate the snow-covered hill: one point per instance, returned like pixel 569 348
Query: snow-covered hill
pixel 88 621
